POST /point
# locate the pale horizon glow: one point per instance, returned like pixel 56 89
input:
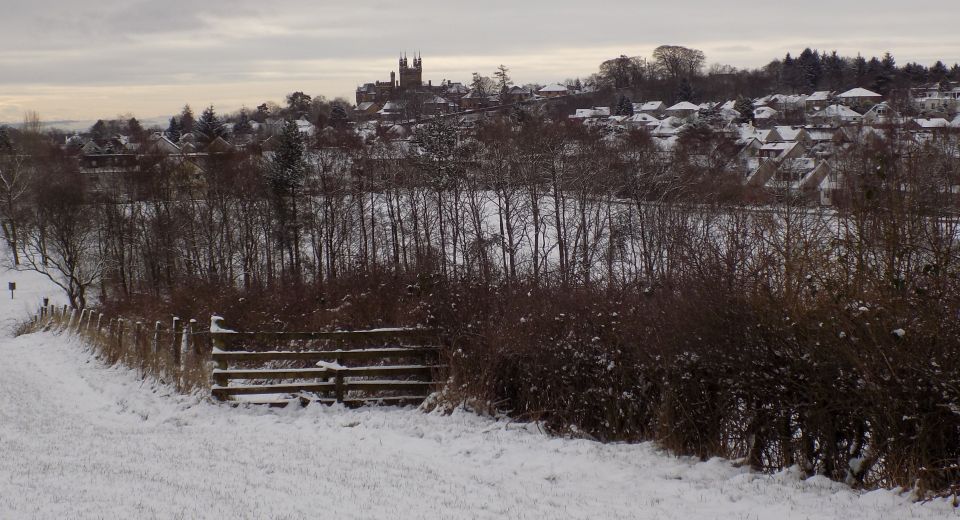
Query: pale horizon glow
pixel 112 58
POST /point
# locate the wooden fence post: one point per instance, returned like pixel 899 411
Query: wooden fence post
pixel 99 323
pixel 138 349
pixel 156 337
pixel 120 336
pixel 177 342
pixel 191 326
pixel 216 338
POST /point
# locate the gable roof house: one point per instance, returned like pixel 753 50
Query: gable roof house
pixel 836 115
pixel 683 110
pixel 516 94
pixel 931 124
pixel 589 113
pixel 554 90
pixel 860 98
pixel 641 120
pixel 818 100
pixel 881 114
pixel 655 108
pixel 367 109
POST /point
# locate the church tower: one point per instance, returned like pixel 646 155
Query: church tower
pixel 411 77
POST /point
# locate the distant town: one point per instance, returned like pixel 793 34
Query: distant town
pixel 780 132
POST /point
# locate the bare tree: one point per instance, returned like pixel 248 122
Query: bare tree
pixel 677 62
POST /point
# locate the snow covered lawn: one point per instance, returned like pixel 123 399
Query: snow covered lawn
pixel 82 440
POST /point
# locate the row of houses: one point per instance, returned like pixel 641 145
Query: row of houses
pixel 794 157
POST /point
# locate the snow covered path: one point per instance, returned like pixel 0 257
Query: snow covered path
pixel 82 440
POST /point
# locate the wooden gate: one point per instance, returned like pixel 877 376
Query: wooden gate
pixel 382 366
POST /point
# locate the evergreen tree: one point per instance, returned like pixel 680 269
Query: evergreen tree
pixel 286 173
pixel 209 127
pixel 938 72
pixel 187 120
pixel 915 73
pixel 955 72
pixel 624 107
pixel 810 70
pixel 860 71
pixel 99 129
pixel 135 130
pixel 684 91
pixel 299 104
pixel 339 117
pixel 745 107
pixel 792 76
pixel 243 126
pixel 287 166
pixel 834 71
pixel 502 77
pixel 174 132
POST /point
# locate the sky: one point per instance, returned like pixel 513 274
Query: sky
pixel 102 59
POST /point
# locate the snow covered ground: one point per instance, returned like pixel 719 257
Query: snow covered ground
pixel 82 440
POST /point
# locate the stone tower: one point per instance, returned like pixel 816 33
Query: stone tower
pixel 411 77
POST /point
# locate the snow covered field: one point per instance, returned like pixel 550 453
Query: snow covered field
pixel 82 440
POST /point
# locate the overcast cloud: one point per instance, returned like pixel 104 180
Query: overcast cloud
pixel 84 60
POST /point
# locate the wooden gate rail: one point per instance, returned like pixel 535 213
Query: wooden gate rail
pixel 381 383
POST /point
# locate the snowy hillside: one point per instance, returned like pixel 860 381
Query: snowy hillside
pixel 82 440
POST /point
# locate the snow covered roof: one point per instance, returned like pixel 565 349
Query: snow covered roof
pixel 838 111
pixel 789 133
pixel 642 118
pixel 583 113
pixel 764 113
pixel 555 87
pixel 821 134
pixel 457 88
pixel 956 122
pixel 788 100
pixel 653 105
pixel 859 93
pixel 683 106
pixel 781 147
pixel 820 95
pixel 937 122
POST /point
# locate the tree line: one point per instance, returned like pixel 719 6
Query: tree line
pixel 675 73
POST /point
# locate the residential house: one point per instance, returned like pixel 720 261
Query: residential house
pixel 654 108
pixel 818 100
pixel 366 110
pixel 929 124
pixel 860 98
pixel 836 115
pixel 553 90
pixel 881 114
pixel 942 97
pixel 683 110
